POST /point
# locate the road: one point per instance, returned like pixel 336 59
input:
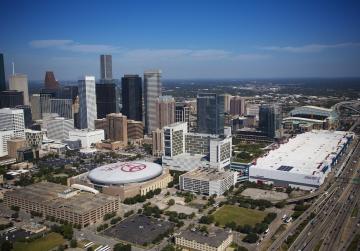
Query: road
pixel 329 204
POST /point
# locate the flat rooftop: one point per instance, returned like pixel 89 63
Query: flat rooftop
pixel 304 153
pixel 47 193
pixel 214 239
pixel 207 174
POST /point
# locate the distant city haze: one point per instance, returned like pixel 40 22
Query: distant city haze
pixel 185 39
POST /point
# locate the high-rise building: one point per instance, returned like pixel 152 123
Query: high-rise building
pixel 227 98
pixel 210 113
pixel 11 99
pixel 152 90
pixel 182 113
pixel 19 82
pixel 270 120
pixel 58 128
pixel 63 107
pixel 157 142
pixel 13 119
pixel 87 96
pixel 5 135
pixel 35 106
pixel 105 99
pixel 165 111
pixel 27 114
pixel 50 81
pixel 131 92
pixel 2 73
pixel 106 68
pixel 237 106
pixel 115 127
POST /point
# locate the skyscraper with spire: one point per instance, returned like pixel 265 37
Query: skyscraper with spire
pixel 50 81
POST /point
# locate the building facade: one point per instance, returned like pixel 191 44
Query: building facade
pixel 131 92
pixel 237 106
pixel 87 137
pixel 5 135
pixel 165 111
pixel 63 107
pixel 157 142
pixel 135 129
pixel 13 119
pixel 19 82
pixel 115 127
pixel 50 81
pixel 270 120
pixel 2 73
pixel 105 99
pixel 14 145
pixel 210 113
pixel 34 138
pixel 152 90
pixel 106 68
pixel 59 128
pixel 87 109
pixel 11 99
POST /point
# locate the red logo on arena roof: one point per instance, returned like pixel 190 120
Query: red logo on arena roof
pixel 129 167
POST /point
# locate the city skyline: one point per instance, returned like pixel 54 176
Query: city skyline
pixel 198 40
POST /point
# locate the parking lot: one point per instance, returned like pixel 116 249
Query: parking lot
pixel 139 229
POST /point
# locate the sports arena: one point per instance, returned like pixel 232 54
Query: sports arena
pixel 125 179
pixel 303 162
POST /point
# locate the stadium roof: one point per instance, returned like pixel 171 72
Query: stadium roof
pixel 305 153
pixel 125 172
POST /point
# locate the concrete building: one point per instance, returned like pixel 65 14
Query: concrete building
pixel 182 113
pixel 87 109
pixel 82 206
pixel 216 240
pixel 115 127
pixel 157 142
pixel 152 90
pixel 14 144
pixel 5 135
pixel 303 162
pixel 185 151
pixel 34 138
pixel 13 119
pixel 87 137
pixel 207 181
pixel 252 110
pixel 59 128
pixel 165 111
pixel 135 130
pixel 19 82
pixel 11 99
pixel 237 106
pixel 106 68
pixel 35 106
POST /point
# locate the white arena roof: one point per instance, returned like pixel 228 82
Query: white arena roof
pixel 125 172
pixel 305 153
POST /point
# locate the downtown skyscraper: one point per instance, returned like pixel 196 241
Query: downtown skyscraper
pixel 131 92
pixel 19 82
pixel 270 118
pixel 87 96
pixel 105 99
pixel 50 81
pixel 2 74
pixel 152 90
pixel 210 113
pixel 106 68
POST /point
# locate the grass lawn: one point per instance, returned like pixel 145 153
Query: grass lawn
pixel 239 215
pixel 46 243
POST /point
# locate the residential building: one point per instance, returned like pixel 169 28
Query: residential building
pixel 135 130
pixel 131 92
pixel 19 82
pixel 13 119
pixel 87 96
pixel 210 113
pixel 237 106
pixel 227 99
pixel 152 90
pixel 105 99
pixel 59 128
pixel 165 111
pixel 115 127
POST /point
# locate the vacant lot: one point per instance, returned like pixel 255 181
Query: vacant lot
pixel 46 243
pixel 258 194
pixel 239 215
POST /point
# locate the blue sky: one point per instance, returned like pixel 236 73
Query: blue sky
pixel 186 39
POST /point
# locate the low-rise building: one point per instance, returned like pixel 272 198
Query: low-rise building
pixel 216 240
pixel 80 206
pixel 5 135
pixel 33 138
pixel 14 144
pixel 88 137
pixel 207 181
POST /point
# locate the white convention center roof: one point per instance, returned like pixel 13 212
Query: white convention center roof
pixel 125 172
pixel 304 153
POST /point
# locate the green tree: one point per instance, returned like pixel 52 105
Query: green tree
pixel 171 202
pixel 251 238
pixel 73 243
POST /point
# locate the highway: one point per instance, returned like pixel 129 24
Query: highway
pixel 331 209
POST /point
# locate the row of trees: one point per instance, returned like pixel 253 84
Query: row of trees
pixel 142 198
